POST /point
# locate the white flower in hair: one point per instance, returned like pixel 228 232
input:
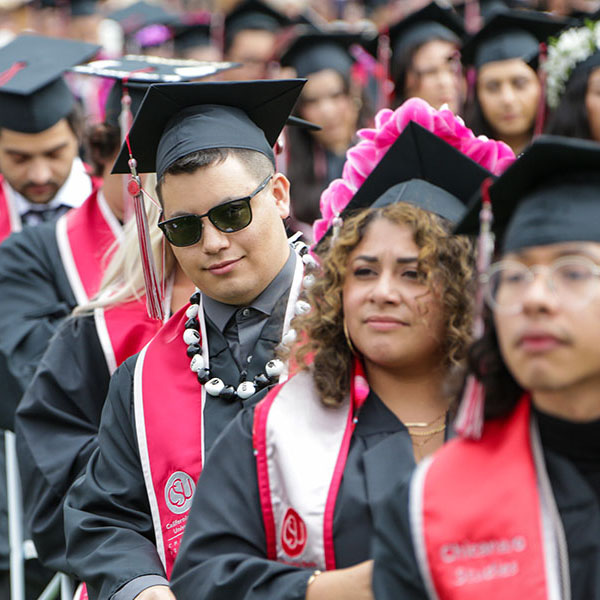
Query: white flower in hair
pixel 572 47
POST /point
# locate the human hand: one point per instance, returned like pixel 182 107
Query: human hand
pixel 156 592
pixel 352 583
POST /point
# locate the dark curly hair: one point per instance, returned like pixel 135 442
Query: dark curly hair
pixel 446 261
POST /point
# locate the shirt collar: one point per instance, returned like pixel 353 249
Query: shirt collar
pixel 72 193
pixel 220 313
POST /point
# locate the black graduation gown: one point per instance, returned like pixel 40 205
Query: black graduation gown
pixel 223 552
pixel 396 574
pixel 35 295
pixel 108 525
pixel 56 426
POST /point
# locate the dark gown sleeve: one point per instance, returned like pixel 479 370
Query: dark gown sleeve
pixel 108 527
pixel 35 296
pixel 396 573
pixel 56 426
pixel 223 551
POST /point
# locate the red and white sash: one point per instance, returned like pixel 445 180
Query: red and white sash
pixel 10 221
pixel 123 330
pixel 84 236
pixel 483 517
pixel 169 404
pixel 301 447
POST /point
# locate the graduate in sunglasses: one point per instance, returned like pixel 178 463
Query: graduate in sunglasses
pixel 223 206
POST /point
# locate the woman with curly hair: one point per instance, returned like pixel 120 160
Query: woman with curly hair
pixel 573 83
pixel 289 489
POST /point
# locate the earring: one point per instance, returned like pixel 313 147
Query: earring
pixel 347 336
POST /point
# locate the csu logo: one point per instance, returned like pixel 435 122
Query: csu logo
pixel 293 534
pixel 179 491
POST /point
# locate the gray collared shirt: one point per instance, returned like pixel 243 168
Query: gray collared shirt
pixel 242 325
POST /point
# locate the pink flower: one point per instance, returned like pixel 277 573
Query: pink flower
pixel 363 158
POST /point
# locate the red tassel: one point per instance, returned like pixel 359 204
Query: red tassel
pixel 154 296
pixel 540 118
pixel 472 16
pixel 469 420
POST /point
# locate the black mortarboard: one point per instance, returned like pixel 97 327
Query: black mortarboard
pixel 178 119
pixel 423 170
pixel 313 51
pixel 429 23
pixel 253 14
pixel 141 14
pixel 191 35
pixel 551 194
pixel 510 34
pixel 83 8
pixel 140 72
pixel 33 94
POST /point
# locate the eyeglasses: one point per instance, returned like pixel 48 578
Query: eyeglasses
pixel 228 217
pixel 573 280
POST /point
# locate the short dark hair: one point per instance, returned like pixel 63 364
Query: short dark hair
pixel 570 117
pixel 257 164
pixel 101 142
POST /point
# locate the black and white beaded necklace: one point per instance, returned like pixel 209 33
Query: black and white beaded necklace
pixel 274 368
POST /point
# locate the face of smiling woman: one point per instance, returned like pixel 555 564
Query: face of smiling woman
pixel 394 320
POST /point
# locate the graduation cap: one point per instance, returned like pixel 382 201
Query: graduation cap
pixel 140 71
pixel 510 34
pixel 33 94
pixel 83 8
pixel 551 194
pixel 178 119
pixel 142 14
pixel 423 170
pixel 431 22
pixel 253 14
pixel 192 34
pixel 313 51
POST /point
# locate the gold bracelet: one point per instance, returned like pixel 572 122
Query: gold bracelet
pixel 313 577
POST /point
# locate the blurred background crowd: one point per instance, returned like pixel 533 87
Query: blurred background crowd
pixel 488 61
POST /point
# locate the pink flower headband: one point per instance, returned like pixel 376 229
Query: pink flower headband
pixel 363 158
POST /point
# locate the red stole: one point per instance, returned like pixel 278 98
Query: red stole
pixel 123 330
pixel 169 406
pixel 483 517
pixel 84 236
pixel 301 447
pixel 9 219
pixel 168 403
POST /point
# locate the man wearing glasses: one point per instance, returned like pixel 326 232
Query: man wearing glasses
pixel 515 512
pixel 223 209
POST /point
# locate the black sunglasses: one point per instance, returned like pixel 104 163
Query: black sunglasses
pixel 227 217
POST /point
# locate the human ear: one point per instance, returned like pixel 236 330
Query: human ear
pixel 281 192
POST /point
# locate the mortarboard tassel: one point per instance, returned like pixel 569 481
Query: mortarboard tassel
pixel 154 296
pixel 472 16
pixel 540 118
pixel 125 122
pixel 469 420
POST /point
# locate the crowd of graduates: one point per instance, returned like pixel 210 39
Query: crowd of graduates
pixel 298 300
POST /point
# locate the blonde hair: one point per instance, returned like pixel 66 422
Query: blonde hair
pixel 123 279
pixel 446 261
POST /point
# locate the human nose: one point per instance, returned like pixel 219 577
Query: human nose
pixel 39 171
pixel 385 290
pixel 507 94
pixel 213 240
pixel 539 295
